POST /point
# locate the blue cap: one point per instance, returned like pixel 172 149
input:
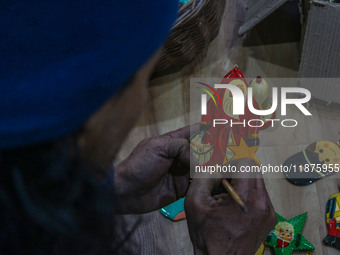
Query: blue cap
pixel 61 60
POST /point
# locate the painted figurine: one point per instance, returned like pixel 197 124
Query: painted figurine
pixel 286 236
pixel 220 144
pixel 260 92
pixel 261 95
pixel 174 211
pixel 202 147
pixel 222 137
pixel 333 221
pixel 318 160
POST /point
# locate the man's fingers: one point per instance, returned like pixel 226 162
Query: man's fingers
pixel 260 185
pixel 203 187
pixel 175 151
pixel 177 148
pixel 242 182
pixel 240 164
pixel 246 184
pixel 262 191
pixel 181 185
pixel 184 132
pixel 176 144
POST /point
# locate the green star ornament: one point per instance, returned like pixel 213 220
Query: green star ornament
pixel 286 236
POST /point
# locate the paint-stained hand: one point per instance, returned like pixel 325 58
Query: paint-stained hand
pixel 217 225
pixel 155 174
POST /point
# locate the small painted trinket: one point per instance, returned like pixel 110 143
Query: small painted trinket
pixel 333 221
pixel 260 251
pixel 261 95
pixel 318 160
pixel 174 211
pixel 260 92
pixel 223 143
pixel 286 236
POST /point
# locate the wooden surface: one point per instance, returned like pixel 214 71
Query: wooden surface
pixel 168 108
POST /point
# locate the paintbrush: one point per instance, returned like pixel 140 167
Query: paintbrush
pixel 234 195
pixel 225 183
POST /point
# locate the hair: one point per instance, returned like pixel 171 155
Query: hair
pixel 284 226
pixel 51 204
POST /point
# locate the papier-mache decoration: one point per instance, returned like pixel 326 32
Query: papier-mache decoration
pixel 219 144
pixel 261 95
pixel 333 221
pixel 260 251
pixel 223 143
pixel 317 161
pixel 286 237
pixel 174 211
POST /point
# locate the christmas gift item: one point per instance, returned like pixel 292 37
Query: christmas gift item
pixel 261 95
pixel 260 251
pixel 286 236
pixel 318 160
pixel 333 221
pixel 217 145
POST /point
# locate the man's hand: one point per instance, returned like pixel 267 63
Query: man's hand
pixel 155 174
pixel 217 225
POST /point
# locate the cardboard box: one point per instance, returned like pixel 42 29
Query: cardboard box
pixel 257 10
pixel 320 21
pixel 321 50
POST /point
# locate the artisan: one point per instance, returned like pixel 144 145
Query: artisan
pixel 73 80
